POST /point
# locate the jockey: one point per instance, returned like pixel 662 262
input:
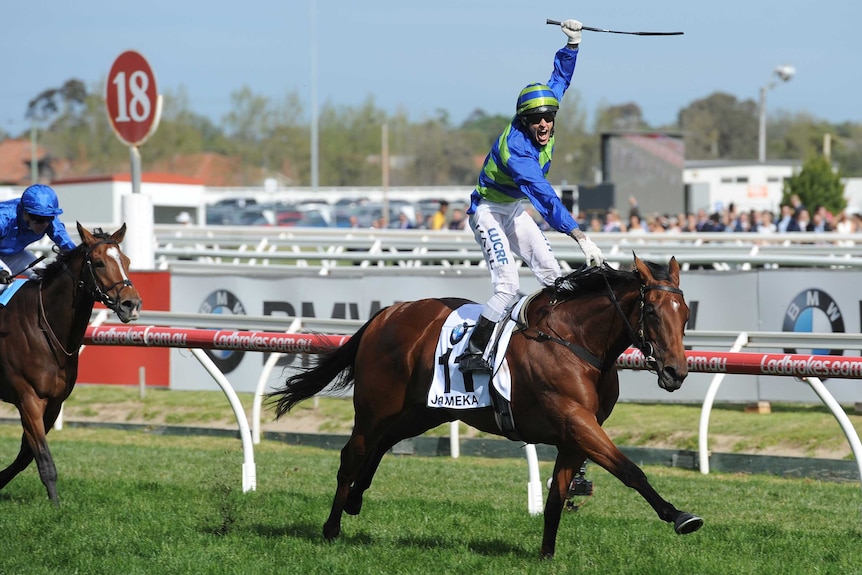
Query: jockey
pixel 26 220
pixel 515 169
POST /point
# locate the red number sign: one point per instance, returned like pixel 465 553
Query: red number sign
pixel 132 99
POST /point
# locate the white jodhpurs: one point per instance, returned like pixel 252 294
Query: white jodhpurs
pixel 506 231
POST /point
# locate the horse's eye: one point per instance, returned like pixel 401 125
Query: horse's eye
pixel 649 309
pixel 99 264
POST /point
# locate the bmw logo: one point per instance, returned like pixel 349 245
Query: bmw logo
pixel 458 333
pixel 223 302
pixel 811 311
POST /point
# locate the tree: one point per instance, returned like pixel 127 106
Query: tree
pixel 817 185
pixel 71 94
pixel 576 149
pixel 720 127
pixel 622 117
pixel 490 127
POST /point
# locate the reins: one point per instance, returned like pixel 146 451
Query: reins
pixel 637 337
pixel 95 292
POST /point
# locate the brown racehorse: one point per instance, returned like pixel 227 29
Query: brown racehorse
pixel 563 377
pixel 42 329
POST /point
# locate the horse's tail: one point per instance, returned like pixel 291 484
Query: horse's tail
pixel 334 367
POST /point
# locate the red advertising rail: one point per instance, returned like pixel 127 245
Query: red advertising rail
pixel 781 364
pixel 156 336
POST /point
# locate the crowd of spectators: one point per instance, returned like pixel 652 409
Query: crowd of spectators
pixel 793 217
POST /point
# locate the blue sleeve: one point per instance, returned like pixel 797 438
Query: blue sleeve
pixel 531 181
pixel 564 67
pixel 60 236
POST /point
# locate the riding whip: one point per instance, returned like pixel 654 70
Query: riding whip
pixel 591 29
pixel 33 263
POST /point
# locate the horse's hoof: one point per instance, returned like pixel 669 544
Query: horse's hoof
pixel 330 533
pixel 687 523
pixel 353 507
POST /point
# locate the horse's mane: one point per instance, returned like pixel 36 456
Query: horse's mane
pixel 60 263
pixel 587 280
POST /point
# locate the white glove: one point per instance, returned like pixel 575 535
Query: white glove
pixel 592 252
pixel 572 29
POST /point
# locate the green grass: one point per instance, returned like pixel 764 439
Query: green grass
pixel 805 430
pixel 133 502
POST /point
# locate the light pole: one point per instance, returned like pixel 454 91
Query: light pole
pixel 783 73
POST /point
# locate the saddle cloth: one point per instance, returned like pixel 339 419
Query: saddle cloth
pixel 452 389
pixel 9 290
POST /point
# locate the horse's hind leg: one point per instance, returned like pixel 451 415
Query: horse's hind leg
pixel 564 471
pixel 36 420
pixel 352 456
pixel 22 460
pixel 362 454
pixel 409 424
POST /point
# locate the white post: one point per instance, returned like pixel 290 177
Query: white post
pixel 534 487
pixel 138 243
pixel 702 448
pixel 454 440
pixel 761 139
pixel 843 420
pixel 249 477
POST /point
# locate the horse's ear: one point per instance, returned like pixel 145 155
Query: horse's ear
pixel 85 234
pixel 673 267
pixel 118 235
pixel 642 269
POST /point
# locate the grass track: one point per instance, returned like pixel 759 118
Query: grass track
pixel 133 503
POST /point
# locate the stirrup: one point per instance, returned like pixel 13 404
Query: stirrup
pixel 474 363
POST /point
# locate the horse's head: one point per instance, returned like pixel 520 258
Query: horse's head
pixel 106 276
pixel 663 316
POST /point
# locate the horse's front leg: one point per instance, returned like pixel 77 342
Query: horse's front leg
pixel 564 470
pixel 589 436
pixel 22 460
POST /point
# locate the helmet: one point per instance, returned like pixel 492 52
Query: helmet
pixel 40 200
pixel 537 99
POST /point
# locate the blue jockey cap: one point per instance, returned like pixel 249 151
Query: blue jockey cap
pixel 40 200
pixel 536 99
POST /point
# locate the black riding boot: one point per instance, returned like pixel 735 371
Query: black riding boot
pixel 471 359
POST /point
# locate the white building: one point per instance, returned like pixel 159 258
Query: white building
pixel 97 200
pixel 714 184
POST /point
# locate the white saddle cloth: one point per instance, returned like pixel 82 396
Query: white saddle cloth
pixel 450 388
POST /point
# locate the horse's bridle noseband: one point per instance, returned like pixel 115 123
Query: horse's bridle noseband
pixel 647 348
pixel 95 291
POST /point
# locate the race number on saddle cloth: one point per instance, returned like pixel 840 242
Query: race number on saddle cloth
pixel 450 388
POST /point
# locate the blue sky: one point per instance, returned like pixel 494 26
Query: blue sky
pixel 443 55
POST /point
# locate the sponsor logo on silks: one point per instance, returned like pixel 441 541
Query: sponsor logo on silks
pixel 812 311
pixel 223 302
pixel 458 332
pixel 497 251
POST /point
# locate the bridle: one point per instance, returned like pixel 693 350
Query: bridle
pixel 639 338
pixel 95 292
